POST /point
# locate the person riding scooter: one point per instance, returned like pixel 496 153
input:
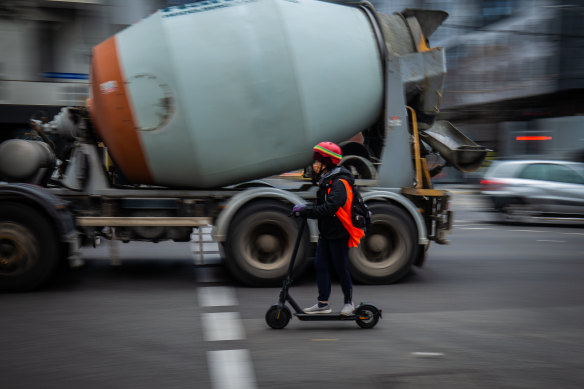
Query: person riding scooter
pixel 337 233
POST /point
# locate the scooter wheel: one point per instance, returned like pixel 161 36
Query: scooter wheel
pixel 278 318
pixel 367 316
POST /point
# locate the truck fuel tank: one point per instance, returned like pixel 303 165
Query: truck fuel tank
pixel 25 161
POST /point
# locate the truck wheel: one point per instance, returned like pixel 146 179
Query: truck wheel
pixel 388 249
pixel 29 248
pixel 260 243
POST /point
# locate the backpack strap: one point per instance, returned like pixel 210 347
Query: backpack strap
pixel 344 215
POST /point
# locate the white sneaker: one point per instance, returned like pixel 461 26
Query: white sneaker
pixel 316 309
pixel 348 309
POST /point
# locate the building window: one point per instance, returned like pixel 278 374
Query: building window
pixel 495 10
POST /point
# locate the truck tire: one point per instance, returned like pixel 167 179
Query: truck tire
pixel 260 242
pixel 388 249
pixel 29 248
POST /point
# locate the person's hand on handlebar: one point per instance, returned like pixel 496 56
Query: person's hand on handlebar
pixel 300 210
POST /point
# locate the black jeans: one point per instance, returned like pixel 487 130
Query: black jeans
pixel 335 252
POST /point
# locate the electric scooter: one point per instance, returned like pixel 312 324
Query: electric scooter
pixel 278 315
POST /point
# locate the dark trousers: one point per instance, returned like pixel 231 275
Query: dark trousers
pixel 333 252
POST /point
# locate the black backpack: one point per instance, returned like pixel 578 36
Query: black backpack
pixel 360 215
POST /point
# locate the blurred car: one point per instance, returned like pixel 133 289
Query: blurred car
pixel 535 188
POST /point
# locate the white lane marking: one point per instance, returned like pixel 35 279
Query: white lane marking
pixel 216 296
pixel 231 369
pixel 572 233
pixel 475 228
pixel 222 326
pixel 424 354
pixel 551 240
pixel 527 231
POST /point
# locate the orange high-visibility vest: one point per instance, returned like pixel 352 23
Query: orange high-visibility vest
pixel 344 215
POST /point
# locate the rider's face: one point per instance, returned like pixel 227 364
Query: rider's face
pixel 317 167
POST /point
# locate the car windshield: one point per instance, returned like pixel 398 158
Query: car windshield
pixel 554 172
pixel 579 168
pixel 502 170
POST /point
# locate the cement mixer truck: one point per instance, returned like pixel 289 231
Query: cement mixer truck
pixel 195 111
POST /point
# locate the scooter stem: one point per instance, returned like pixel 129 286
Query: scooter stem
pixel 296 245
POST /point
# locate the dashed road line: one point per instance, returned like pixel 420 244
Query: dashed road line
pixel 425 354
pixel 470 225
pixel 217 296
pixel 527 231
pixel 222 326
pixel 231 369
pixel 227 368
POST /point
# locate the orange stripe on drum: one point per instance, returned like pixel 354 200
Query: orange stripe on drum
pixel 112 114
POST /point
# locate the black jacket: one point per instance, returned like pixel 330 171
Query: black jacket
pixel 327 204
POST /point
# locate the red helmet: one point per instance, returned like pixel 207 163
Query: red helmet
pixel 327 151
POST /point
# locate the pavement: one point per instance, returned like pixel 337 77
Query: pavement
pixel 459 188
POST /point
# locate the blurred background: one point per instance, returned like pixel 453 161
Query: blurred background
pixel 515 76
pixel 515 67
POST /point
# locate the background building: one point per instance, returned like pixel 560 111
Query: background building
pixel 515 77
pixel 46 51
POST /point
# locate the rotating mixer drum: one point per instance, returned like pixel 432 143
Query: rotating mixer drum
pixel 228 91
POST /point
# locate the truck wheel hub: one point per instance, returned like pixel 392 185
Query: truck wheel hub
pixel 7 251
pixel 267 243
pixel 377 243
pixel 18 249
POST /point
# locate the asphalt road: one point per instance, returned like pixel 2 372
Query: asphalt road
pixel 500 307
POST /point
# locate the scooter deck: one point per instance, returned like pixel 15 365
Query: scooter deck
pixel 323 316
